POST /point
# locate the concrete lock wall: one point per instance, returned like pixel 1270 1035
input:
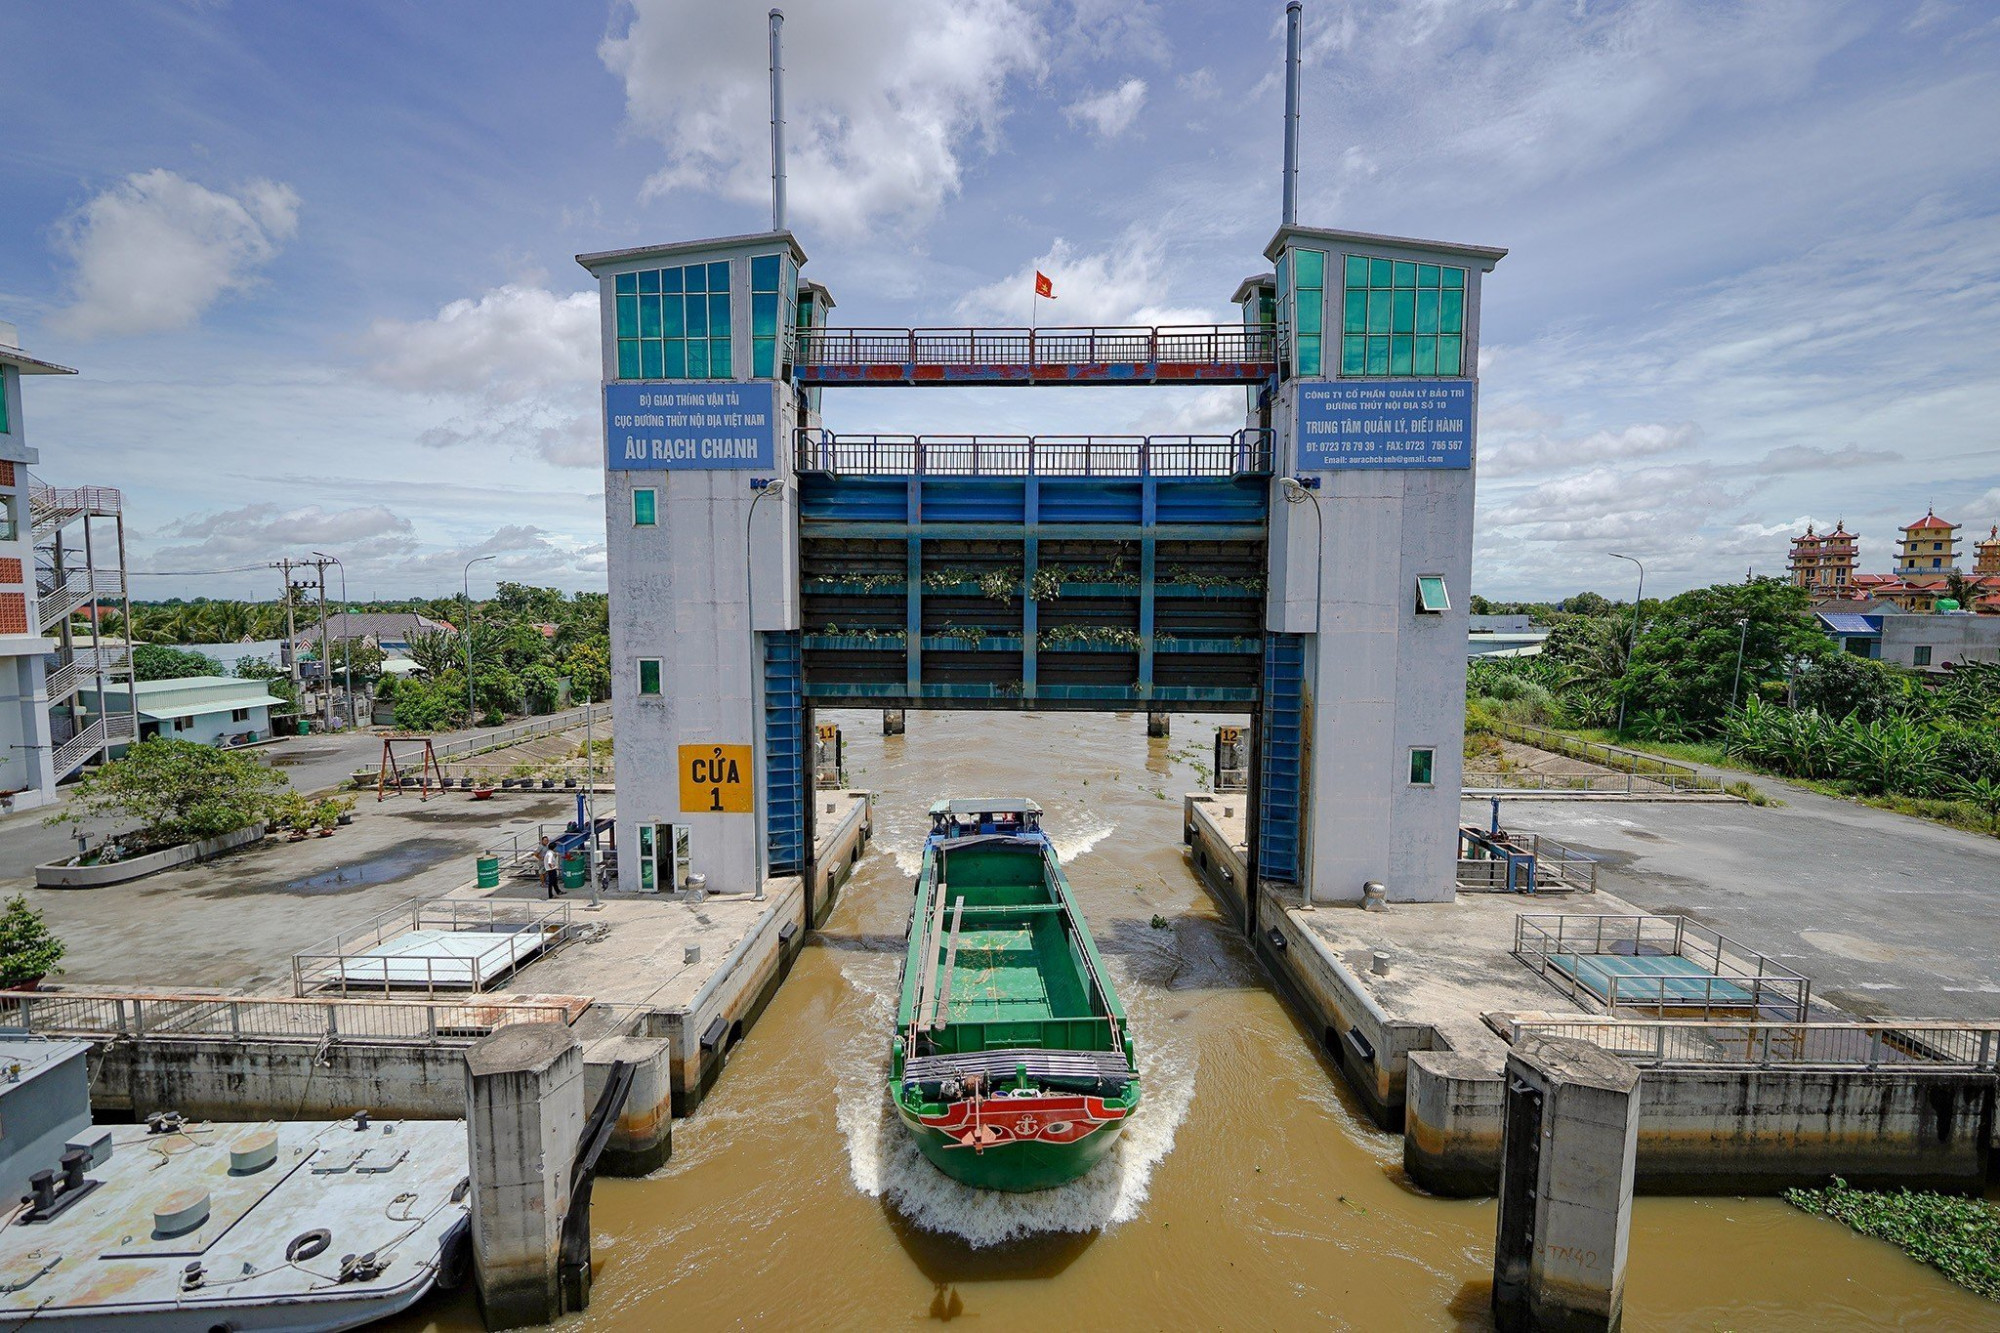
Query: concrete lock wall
pixel 702 1037
pixel 1729 1131
pixel 682 592
pixel 222 1079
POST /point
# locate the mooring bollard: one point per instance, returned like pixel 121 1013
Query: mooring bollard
pixel 1569 1137
pixel 1158 724
pixel 524 1117
pixel 892 722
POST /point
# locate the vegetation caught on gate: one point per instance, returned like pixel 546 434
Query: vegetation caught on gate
pixel 1958 1237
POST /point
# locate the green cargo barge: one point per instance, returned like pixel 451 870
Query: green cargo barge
pixel 1012 1064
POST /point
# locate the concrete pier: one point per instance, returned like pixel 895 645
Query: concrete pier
pixel 643 1139
pixel 1159 724
pixel 892 722
pixel 524 1115
pixel 1571 1140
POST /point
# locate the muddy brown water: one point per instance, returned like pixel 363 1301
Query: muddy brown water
pixel 1250 1191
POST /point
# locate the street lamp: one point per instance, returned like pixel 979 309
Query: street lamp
pixel 1743 626
pixel 346 640
pixel 471 709
pixel 1632 644
pixel 1298 491
pixel 771 486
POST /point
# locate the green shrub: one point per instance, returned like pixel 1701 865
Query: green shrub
pixel 28 948
pixel 177 791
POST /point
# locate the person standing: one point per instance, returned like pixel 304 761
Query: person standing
pixel 551 869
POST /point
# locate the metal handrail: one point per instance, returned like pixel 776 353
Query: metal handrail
pixel 1245 452
pixel 1737 972
pixel 1172 344
pixel 1931 1043
pixel 120 1013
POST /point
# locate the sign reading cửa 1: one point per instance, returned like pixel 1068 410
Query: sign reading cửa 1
pixel 694 425
pixel 1384 424
pixel 715 780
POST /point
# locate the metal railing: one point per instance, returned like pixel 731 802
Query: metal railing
pixel 49 507
pixel 105 731
pixel 1245 452
pixel 55 603
pixel 1729 978
pixel 1930 1043
pixel 110 1013
pixel 1181 345
pixel 1631 763
pixel 67 678
pixel 1557 867
pixel 349 961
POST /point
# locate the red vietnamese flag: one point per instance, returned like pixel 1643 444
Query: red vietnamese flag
pixel 1043 287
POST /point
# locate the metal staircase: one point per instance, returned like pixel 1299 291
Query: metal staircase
pixel 68 577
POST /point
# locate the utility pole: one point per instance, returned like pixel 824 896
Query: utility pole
pixel 284 565
pixel 590 805
pixel 325 655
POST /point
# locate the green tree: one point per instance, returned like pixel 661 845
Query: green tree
pixel 542 685
pixel 424 704
pixel 156 661
pixel 1844 685
pixel 29 950
pixel 1587 604
pixel 277 680
pixel 436 651
pixel 588 667
pixel 177 791
pixel 1685 661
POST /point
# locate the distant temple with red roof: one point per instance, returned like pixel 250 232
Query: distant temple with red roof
pixel 1927 562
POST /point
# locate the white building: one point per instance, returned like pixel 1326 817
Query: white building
pixel 53 565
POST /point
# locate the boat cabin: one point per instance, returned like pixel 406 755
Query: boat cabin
pixel 985 815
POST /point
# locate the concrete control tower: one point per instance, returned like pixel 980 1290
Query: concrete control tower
pixel 1310 570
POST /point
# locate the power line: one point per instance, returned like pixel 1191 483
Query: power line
pixel 190 573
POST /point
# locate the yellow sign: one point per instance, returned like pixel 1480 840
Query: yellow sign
pixel 829 731
pixel 1229 735
pixel 715 779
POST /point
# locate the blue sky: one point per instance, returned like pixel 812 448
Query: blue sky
pixel 315 262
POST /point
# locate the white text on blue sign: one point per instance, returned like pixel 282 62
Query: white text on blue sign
pixel 1385 424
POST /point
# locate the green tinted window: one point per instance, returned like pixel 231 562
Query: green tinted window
pixel 649 675
pixel 1413 314
pixel 772 281
pixel 645 507
pixel 1423 767
pixel 1309 310
pixel 672 320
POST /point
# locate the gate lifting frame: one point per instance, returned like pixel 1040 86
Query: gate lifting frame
pixel 1246 452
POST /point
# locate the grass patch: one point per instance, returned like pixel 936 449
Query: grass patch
pixel 1752 793
pixel 1958 1237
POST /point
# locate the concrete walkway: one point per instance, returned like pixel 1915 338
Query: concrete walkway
pixel 1890 916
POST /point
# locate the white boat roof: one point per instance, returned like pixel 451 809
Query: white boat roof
pixel 987 805
pixel 102 1262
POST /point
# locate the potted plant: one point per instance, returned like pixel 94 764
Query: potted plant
pixel 29 951
pixel 293 811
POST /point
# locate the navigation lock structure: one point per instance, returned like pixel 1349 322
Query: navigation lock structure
pixel 1308 570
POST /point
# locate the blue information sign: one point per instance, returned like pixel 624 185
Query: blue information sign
pixel 693 425
pixel 1385 424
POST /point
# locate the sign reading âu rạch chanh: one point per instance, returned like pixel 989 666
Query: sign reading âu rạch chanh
pixel 692 425
pixel 1385 424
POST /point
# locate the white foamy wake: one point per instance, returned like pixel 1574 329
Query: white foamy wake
pixel 1074 837
pixel 883 1160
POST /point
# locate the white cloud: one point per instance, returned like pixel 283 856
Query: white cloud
pixel 882 98
pixel 260 532
pixel 1109 113
pixel 1809 458
pixel 155 251
pixel 520 365
pixel 1122 285
pixel 1508 454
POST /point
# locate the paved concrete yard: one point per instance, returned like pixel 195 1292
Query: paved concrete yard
pixel 1890 916
pixel 235 922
